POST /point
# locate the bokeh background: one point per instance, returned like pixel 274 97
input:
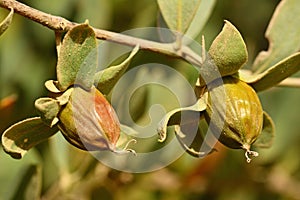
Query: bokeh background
pixel 28 59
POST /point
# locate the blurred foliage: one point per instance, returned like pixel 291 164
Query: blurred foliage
pixel 28 59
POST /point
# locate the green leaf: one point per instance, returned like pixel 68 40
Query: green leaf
pixel 172 117
pixel 77 59
pixel 194 145
pixel 30 184
pixel 273 75
pixel 202 15
pixel 6 22
pixel 228 51
pixel 138 102
pixel 24 135
pixel 265 139
pixel 105 79
pixel 48 109
pixel 178 14
pixel 283 35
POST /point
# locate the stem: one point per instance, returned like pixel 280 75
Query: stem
pixel 58 23
pixel 290 82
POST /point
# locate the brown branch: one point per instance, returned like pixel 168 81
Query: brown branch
pixel 58 23
pixel 290 82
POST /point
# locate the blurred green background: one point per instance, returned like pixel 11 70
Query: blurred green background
pixel 27 60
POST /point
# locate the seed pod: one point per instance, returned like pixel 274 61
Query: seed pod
pixel 88 121
pixel 241 122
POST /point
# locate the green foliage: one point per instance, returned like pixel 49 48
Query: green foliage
pixel 61 171
pixel 274 75
pixel 24 135
pixel 77 59
pixel 199 106
pixel 266 138
pixel 179 14
pixel 106 79
pixel 279 33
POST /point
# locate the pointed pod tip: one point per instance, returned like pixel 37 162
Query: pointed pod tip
pixel 250 154
pixel 86 22
pixel 126 150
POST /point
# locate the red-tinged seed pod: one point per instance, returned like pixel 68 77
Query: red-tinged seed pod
pixel 243 116
pixel 88 121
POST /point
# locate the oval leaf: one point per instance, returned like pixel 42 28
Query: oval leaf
pixel 172 117
pixel 77 59
pixel 106 79
pixel 24 135
pixel 265 139
pixel 273 75
pixel 202 15
pixel 228 51
pixel 6 22
pixel 283 35
pixel 178 14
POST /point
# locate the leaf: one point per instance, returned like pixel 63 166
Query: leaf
pixel 168 119
pixel 138 102
pixel 202 15
pixel 228 51
pixel 273 75
pixel 30 184
pixel 105 79
pixel 77 59
pixel 283 35
pixel 265 139
pixel 52 86
pixel 6 22
pixel 178 14
pixel 195 145
pixel 24 135
pixel 48 109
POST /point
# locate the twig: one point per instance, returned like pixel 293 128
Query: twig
pixel 290 82
pixel 58 23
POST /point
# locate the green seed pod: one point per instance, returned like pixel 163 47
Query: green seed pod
pixel 88 121
pixel 241 122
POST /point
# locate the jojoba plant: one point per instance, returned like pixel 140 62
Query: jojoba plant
pixel 227 94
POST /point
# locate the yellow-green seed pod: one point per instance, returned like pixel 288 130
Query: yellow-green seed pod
pixel 243 116
pixel 88 121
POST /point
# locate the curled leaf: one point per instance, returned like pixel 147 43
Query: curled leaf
pixel 105 79
pixel 52 86
pixel 265 139
pixel 283 35
pixel 77 59
pixel 194 145
pixel 6 22
pixel 177 116
pixel 24 135
pixel 273 75
pixel 48 109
